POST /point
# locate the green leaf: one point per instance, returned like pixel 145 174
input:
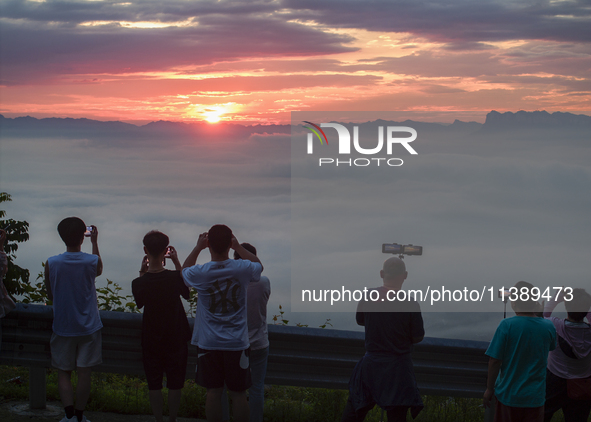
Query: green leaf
pixel 17 278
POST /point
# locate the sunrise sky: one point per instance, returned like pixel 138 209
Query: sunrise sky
pixel 489 207
pixel 256 61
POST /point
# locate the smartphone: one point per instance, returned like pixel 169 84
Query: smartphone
pixel 413 250
pixel 168 250
pixel 396 249
pixel 88 231
pixel 393 248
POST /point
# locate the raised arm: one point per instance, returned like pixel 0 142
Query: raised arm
pixel 551 304
pixel 95 250
pixel 175 259
pixel 201 244
pixel 243 252
pixel 144 265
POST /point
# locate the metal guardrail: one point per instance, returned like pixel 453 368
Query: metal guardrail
pixel 26 332
pixel 315 357
pixel 309 357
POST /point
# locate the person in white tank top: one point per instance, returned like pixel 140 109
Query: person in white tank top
pixel 76 339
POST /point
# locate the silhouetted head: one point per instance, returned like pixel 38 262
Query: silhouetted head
pixel 71 230
pixel 219 238
pixel 155 242
pixel 580 304
pixel 393 272
pixel 248 247
pixel 525 301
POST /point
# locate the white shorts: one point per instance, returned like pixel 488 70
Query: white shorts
pixel 69 353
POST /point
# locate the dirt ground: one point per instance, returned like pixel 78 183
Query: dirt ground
pixel 18 411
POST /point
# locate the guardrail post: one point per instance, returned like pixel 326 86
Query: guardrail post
pixel 37 391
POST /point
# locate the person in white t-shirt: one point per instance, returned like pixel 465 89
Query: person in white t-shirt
pixel 222 334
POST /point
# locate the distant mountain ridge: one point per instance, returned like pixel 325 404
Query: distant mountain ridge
pixel 537 119
pixel 69 127
pixel 495 121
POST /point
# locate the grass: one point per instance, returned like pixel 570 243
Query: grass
pixel 110 392
pixel 129 395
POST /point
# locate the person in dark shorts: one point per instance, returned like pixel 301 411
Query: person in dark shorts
pixel 221 330
pixel 385 375
pixel 165 329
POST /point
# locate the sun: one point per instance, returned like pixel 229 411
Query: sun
pixel 212 117
pixel 215 113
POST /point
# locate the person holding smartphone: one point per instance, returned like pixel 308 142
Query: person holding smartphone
pixel 165 328
pixel 76 342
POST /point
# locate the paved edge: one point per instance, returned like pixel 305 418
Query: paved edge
pixel 18 411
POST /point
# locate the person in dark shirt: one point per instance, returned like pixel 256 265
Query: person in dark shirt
pixel 385 375
pixel 165 329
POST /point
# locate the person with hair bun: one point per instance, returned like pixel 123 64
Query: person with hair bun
pixel 165 329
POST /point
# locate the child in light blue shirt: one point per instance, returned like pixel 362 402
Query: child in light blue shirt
pixel 517 367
